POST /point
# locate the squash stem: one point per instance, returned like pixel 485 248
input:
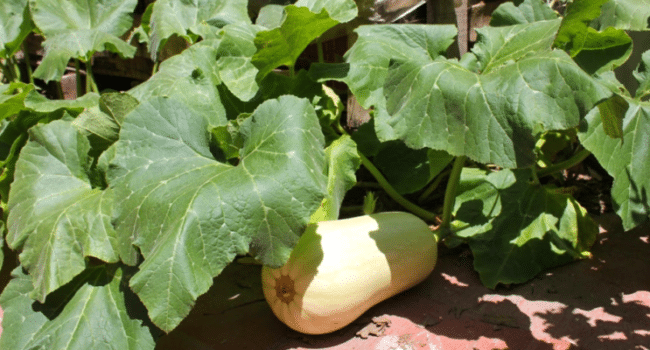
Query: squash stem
pixel 16 69
pixel 28 65
pixel 10 71
pixel 80 87
pixel 423 197
pixel 91 85
pixel 59 90
pixel 319 46
pixel 392 193
pixel 366 184
pixel 450 195
pixel 535 178
pixel 569 163
pixel 154 69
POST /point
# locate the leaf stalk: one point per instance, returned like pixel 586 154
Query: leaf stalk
pixel 392 193
pixel 436 182
pixel 28 65
pixel 319 46
pixel 450 195
pixel 366 184
pixel 77 67
pixel 90 78
pixel 9 70
pixel 567 164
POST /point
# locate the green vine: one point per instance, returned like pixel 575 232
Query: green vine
pixel 392 193
pixel 567 164
pixel 450 196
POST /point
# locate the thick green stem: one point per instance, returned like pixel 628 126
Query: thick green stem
pixel 569 163
pixel 340 129
pixel 80 88
pixel 59 91
pixel 90 79
pixel 10 71
pixel 365 184
pixel 392 193
pixel 28 65
pixel 433 186
pixel 643 96
pixel 535 179
pixel 16 68
pixel 319 46
pixel 6 76
pixel 154 69
pixel 450 194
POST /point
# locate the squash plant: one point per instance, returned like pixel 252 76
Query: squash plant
pixel 123 207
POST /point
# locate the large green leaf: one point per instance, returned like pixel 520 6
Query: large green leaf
pixel 101 123
pixel 301 24
pixel 595 51
pixel 376 46
pixel 190 215
pixel 30 107
pixel 79 28
pixel 516 228
pixel 234 60
pixel 15 25
pixel 612 112
pixel 96 315
pixel 528 11
pixel 339 10
pixel 494 116
pixel 12 98
pixel 187 17
pixel 499 47
pixel 19 321
pixel 270 16
pixel 191 77
pixel 275 85
pixel 36 102
pixel 642 75
pixel 626 159
pixel 56 215
pixel 624 14
pixel 409 170
pixel 342 164
pixel 204 68
pixel 573 32
pixel 282 45
pixel 604 51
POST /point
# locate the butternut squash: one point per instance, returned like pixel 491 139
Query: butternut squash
pixel 339 269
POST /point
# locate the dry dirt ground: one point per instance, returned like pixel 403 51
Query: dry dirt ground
pixel 600 303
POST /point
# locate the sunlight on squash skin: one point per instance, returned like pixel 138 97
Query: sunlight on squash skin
pixel 340 269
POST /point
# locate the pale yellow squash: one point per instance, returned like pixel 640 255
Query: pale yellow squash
pixel 339 269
